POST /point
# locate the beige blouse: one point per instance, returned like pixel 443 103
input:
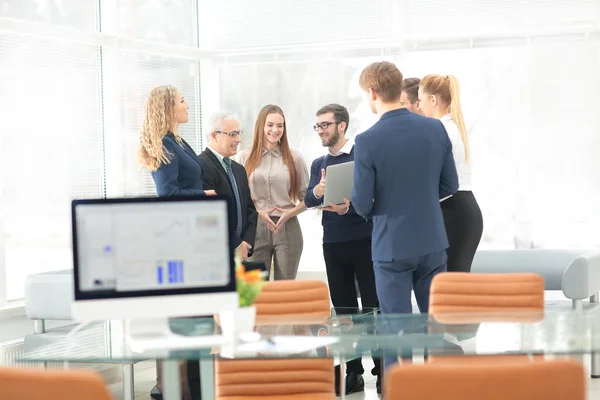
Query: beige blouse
pixel 270 181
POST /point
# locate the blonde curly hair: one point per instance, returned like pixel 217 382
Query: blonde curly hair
pixel 159 118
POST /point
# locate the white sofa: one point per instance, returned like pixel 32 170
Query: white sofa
pixel 575 272
pixel 48 296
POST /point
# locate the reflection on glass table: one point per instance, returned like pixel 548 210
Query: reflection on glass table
pixel 351 335
pixel 106 341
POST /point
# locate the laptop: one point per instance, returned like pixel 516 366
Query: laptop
pixel 339 183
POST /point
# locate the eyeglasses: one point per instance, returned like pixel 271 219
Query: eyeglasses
pixel 230 134
pixel 324 125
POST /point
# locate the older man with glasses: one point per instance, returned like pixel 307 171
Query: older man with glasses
pixel 228 178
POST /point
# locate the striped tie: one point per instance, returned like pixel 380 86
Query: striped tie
pixel 238 203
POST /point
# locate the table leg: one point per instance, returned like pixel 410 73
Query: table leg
pixel 171 380
pixel 595 365
pixel 342 378
pixel 128 382
pixel 207 378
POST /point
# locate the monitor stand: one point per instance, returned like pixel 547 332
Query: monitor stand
pixel 154 334
pixel 148 328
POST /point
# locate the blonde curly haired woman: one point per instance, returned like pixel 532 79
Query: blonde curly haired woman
pixel 175 167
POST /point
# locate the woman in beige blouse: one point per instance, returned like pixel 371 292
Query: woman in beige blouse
pixel 278 179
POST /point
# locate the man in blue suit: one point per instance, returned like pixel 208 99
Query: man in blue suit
pixel 403 166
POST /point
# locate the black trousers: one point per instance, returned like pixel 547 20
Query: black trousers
pixel 464 227
pixel 347 263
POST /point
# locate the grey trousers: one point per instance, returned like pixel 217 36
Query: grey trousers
pixel 284 248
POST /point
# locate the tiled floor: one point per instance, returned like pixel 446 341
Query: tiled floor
pixel 146 379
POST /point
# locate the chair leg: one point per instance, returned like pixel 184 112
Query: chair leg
pixel 39 326
pixel 578 305
pixel 128 382
pixel 595 357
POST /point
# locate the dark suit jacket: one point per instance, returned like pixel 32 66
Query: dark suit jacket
pixel 216 178
pixel 183 175
pixel 403 166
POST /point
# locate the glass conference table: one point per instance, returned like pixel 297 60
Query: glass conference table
pixel 345 335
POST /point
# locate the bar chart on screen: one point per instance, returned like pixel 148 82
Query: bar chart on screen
pixel 170 272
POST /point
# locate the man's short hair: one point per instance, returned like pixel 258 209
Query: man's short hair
pixel 411 87
pixel 384 78
pixel 215 123
pixel 340 113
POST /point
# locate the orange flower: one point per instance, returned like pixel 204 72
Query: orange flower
pixel 240 271
pixel 252 276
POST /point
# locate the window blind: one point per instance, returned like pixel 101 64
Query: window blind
pixel 438 19
pixel 284 25
pixel 158 21
pixel 263 24
pixel 80 14
pixel 51 148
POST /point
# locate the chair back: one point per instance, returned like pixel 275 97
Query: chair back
pixel 548 380
pixel 457 292
pixel 306 378
pixel 462 300
pixel 38 384
pixel 289 298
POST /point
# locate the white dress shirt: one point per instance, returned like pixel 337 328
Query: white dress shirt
pixel 463 166
pixel 346 148
pixel 219 157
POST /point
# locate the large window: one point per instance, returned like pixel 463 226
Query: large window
pixel 51 148
pixel 73 79
pixel 74 75
pixel 527 93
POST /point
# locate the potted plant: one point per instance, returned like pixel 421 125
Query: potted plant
pixel 249 285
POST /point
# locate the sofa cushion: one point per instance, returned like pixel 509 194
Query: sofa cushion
pixel 549 263
pixel 582 277
pixel 49 295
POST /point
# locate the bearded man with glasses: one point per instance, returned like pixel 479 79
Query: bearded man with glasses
pixel 346 235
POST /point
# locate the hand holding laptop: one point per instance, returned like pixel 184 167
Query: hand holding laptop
pixel 341 209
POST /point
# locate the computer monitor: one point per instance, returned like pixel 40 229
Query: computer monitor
pixel 152 258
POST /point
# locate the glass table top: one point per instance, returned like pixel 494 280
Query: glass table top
pixel 347 333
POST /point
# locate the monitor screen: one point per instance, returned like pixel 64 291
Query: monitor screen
pixel 150 246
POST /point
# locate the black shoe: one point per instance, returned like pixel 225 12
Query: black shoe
pixel 156 394
pixel 378 384
pixel 354 383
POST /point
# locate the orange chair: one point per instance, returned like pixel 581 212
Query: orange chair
pixel 35 384
pixel 291 379
pixel 457 298
pixel 549 380
pixel 456 292
pixel 292 300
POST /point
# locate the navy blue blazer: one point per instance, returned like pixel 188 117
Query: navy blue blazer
pixel 403 166
pixel 183 175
